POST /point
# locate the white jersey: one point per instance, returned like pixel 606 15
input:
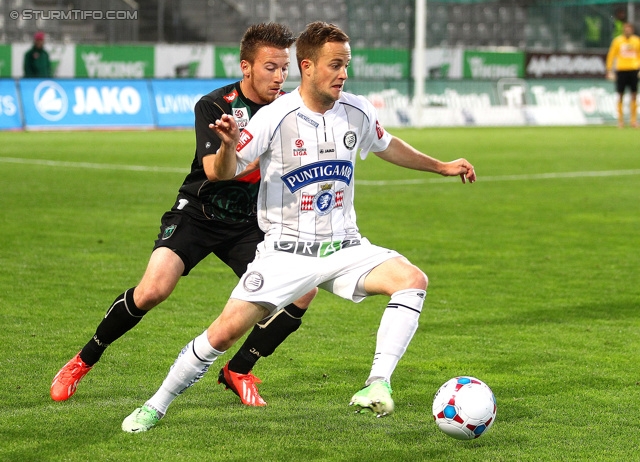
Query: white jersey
pixel 307 166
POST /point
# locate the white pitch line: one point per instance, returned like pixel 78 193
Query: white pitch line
pixel 142 168
pixel 532 176
pixel 56 163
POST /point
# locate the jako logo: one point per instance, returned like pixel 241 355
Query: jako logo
pixel 50 100
pixel 107 100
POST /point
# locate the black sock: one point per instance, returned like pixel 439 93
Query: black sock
pixel 121 317
pixel 265 337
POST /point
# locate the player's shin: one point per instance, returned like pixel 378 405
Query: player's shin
pixel 189 367
pixel 620 107
pixel 121 317
pixel 265 337
pixel 397 326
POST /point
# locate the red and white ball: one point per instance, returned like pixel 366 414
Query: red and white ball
pixel 464 408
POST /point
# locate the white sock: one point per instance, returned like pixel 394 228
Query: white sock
pixel 189 367
pixel 397 326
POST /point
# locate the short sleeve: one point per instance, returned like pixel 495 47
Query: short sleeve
pixel 254 139
pixel 207 142
pixel 377 139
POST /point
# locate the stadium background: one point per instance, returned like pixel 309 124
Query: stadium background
pixel 507 62
pixel 533 285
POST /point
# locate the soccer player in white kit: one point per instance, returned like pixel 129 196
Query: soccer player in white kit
pixel 307 142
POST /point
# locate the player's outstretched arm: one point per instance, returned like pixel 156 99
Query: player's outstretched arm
pixel 225 162
pixel 403 154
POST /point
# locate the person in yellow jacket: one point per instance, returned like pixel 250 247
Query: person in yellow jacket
pixel 625 53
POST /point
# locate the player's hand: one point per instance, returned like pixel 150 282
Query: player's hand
pixel 460 167
pixel 227 130
pixel 611 75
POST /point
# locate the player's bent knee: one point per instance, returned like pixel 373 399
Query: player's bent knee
pixel 419 280
pixel 304 301
pixel 413 277
pixel 147 298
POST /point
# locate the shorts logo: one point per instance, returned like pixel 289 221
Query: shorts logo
pixel 207 145
pixel 168 232
pixel 350 140
pixel 314 249
pixel 245 138
pixel 323 202
pixel 298 148
pixel 253 282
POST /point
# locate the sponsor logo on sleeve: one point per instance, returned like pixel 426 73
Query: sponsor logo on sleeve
pixel 379 130
pixel 230 97
pixel 245 138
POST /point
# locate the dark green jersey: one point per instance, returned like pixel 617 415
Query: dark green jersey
pixel 36 63
pixel 228 201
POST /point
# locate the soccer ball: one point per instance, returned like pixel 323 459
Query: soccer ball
pixel 464 408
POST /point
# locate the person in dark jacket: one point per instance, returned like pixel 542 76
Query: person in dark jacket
pixel 36 60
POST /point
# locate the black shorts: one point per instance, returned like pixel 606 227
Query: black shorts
pixel 626 79
pixel 193 239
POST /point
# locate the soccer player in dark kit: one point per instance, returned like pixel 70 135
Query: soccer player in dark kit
pixel 209 216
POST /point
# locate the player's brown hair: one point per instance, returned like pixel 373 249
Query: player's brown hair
pixel 264 35
pixel 313 38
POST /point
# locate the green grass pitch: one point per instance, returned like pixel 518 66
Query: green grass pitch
pixel 534 288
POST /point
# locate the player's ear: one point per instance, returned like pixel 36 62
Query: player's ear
pixel 245 67
pixel 306 65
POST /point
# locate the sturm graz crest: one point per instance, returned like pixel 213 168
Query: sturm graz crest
pixel 168 231
pixel 350 140
pixel 253 281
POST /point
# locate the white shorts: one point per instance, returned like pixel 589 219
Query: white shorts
pixel 278 277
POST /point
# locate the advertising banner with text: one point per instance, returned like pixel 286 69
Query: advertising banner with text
pixel 504 102
pixel 566 65
pixel 379 64
pixel 486 65
pixel 86 104
pixel 10 117
pixel 115 62
pixel 174 99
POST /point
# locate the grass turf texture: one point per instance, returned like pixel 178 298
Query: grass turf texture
pixel 533 289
